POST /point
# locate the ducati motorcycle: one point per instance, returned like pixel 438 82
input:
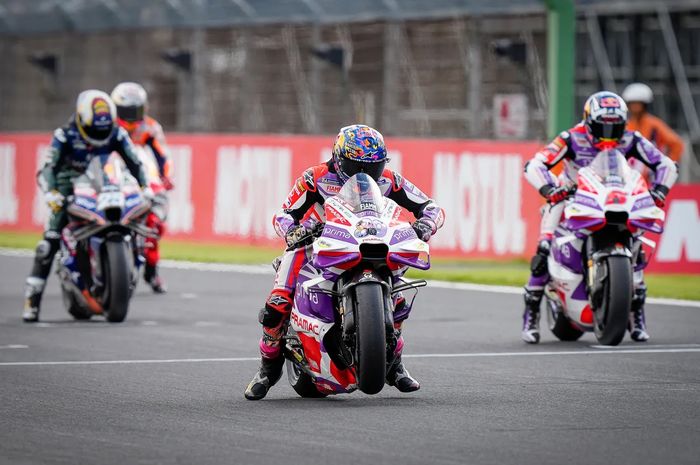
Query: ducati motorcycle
pixel 101 247
pixel 596 250
pixel 341 333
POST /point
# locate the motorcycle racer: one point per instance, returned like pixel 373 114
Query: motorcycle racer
pixel 131 101
pixel 90 132
pixel 602 127
pixel 358 148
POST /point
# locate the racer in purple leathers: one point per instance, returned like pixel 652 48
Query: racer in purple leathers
pixel 602 127
pixel 357 148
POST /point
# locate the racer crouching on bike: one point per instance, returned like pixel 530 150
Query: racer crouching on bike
pixel 602 128
pixel 90 132
pixel 132 105
pixel 357 148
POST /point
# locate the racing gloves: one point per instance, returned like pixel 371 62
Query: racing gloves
pixel 301 234
pixel 659 193
pixel 54 200
pixel 424 228
pixel 554 194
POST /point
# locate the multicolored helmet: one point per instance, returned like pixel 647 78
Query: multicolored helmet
pixel 605 117
pixel 95 116
pixel 359 149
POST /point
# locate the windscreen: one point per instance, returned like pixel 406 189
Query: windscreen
pixel 106 169
pixel 361 193
pixel 611 168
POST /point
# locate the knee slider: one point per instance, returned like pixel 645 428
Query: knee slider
pixel 47 247
pixel 269 317
pixel 538 265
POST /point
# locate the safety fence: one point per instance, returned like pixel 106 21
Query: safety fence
pixel 228 187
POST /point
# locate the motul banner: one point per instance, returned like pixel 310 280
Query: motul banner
pixel 228 187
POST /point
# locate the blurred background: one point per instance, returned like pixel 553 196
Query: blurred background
pixel 413 68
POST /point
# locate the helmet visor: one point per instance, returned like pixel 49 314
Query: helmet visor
pixel 351 167
pixel 130 114
pixel 607 131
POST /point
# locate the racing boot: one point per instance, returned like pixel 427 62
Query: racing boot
pixel 637 323
pixel 151 276
pixel 33 290
pixel 398 376
pixel 270 372
pixel 531 316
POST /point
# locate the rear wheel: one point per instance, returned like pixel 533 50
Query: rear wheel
pixel 370 337
pixel 301 382
pixel 559 325
pixel 612 316
pixel 117 281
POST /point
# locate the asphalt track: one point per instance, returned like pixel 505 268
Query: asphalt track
pixel 166 387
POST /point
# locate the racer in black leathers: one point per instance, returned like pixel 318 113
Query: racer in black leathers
pixel 91 131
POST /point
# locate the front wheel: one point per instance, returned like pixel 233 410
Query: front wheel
pixel 117 280
pixel 301 382
pixel 370 337
pixel 612 316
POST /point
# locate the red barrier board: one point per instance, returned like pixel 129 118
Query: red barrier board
pixel 228 187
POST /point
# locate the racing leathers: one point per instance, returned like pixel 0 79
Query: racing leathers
pixel 576 150
pixel 149 133
pixel 69 157
pixel 304 206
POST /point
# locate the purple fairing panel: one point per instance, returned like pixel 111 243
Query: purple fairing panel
pixel 323 261
pixel 587 201
pixel 340 234
pixel 576 223
pixel 319 307
pixel 580 292
pixel 401 235
pixel 648 225
pixel 569 257
pixel 644 202
pixel 414 261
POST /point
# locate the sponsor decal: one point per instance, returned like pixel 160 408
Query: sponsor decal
pixel 401 235
pixel 304 324
pixel 369 227
pixel 336 233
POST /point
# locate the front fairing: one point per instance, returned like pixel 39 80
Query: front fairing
pixel 610 192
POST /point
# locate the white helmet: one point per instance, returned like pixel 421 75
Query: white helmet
pixel 131 101
pixel 95 116
pixel 638 92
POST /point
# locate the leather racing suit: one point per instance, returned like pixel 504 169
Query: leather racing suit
pixel 305 205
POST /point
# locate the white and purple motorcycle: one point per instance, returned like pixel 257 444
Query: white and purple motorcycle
pixel 341 332
pixel 596 249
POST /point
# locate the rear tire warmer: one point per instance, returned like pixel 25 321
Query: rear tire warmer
pixel 370 337
pixel 117 278
pixel 611 319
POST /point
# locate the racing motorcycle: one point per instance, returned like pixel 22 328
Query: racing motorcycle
pixel 597 249
pixel 101 247
pixel 341 333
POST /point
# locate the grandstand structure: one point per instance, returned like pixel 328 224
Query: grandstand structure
pixel 413 68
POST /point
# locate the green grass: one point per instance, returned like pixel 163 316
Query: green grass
pixel 512 273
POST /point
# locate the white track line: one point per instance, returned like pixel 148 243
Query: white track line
pixel 267 270
pixel 463 355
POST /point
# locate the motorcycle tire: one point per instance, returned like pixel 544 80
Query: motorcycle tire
pixel 613 315
pixel 370 337
pixel 560 326
pixel 301 382
pixel 117 280
pixel 73 307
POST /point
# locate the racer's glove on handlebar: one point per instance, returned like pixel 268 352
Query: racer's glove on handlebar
pixel 297 235
pixel 54 200
pixel 554 194
pixel 659 193
pixel 167 183
pixel 424 228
